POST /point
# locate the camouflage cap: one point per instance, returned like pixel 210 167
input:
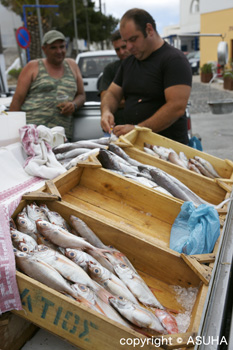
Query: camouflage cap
pixel 52 36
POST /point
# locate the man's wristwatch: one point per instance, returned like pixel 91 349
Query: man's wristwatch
pixel 75 106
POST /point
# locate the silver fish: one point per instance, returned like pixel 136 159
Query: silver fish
pixel 35 213
pixel 72 154
pixel 183 157
pixel 80 257
pixel 81 158
pixel 63 238
pixel 208 166
pixel 83 230
pixel 174 158
pixel 151 152
pixel 42 272
pixel 23 241
pixel 98 304
pixel 121 153
pixel 55 218
pixel 201 168
pixel 109 281
pixel 111 161
pixel 136 314
pixel 25 225
pixel 67 147
pixel 137 286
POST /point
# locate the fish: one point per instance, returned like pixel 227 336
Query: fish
pixel 98 304
pixel 55 218
pixel 35 213
pixel 83 230
pixel 193 167
pixel 183 157
pixel 201 168
pixel 12 224
pixel 81 158
pixel 42 272
pixel 111 161
pixel 208 166
pixel 121 153
pixel 67 147
pixel 80 257
pixel 137 286
pixel 151 152
pixel 174 158
pixel 167 320
pixel 142 180
pixel 23 241
pixel 63 238
pixel 164 180
pixel 162 152
pixel 109 281
pixel 137 314
pixel 72 154
pixel 25 225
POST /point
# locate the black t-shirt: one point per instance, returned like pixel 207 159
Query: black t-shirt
pixel 144 82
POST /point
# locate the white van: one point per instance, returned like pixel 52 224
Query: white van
pixel 91 65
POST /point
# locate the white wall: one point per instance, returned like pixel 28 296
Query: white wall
pixel 189 22
pixel 8 22
pixel 214 5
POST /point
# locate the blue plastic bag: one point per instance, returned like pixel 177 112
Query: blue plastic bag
pixel 194 142
pixel 195 230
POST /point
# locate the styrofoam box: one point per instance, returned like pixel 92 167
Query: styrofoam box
pixel 10 123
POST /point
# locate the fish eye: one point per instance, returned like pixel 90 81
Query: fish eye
pixel 14 235
pixel 96 270
pixel 123 265
pixel 25 249
pixel 120 297
pixel 72 254
pixel 82 287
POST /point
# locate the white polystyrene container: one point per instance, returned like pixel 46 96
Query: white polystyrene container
pixel 10 123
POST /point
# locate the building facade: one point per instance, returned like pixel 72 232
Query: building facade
pixel 203 25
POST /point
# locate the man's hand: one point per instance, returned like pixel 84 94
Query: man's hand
pixel 66 108
pixel 122 129
pixel 107 122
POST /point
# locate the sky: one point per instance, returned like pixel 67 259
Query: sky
pixel 164 12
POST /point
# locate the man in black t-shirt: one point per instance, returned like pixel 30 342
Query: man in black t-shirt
pixel 110 71
pixel 155 81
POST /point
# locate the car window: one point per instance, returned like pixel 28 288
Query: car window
pixel 91 67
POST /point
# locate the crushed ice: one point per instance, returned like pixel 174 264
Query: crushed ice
pixel 186 298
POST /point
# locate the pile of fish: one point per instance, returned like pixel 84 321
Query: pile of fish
pixel 115 159
pixel 196 164
pixel 71 259
pixel 71 153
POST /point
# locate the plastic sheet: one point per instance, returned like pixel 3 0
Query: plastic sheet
pixel 195 230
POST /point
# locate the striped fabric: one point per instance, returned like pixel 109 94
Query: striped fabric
pixel 41 104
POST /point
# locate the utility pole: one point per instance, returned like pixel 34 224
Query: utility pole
pixel 100 9
pixel 75 28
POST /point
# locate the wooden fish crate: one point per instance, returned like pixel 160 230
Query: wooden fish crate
pixel 160 267
pixel 211 190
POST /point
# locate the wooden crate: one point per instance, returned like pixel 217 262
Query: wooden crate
pixel 161 268
pixel 14 331
pixel 211 190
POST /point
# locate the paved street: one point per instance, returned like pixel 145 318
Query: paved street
pixel 215 130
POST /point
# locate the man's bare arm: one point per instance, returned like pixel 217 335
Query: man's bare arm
pixel 176 102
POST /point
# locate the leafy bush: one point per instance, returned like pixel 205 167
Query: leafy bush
pixel 14 72
pixel 228 74
pixel 206 68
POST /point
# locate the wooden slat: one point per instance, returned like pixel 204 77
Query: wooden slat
pixel 51 188
pixel 204 272
pixel 205 258
pixel 42 196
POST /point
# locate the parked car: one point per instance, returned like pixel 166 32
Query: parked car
pixel 91 65
pixel 194 60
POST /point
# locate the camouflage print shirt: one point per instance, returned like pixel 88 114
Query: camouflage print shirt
pixel 40 104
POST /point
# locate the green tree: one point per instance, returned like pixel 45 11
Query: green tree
pixel 100 25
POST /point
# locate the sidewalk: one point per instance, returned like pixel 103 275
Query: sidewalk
pixel 203 92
